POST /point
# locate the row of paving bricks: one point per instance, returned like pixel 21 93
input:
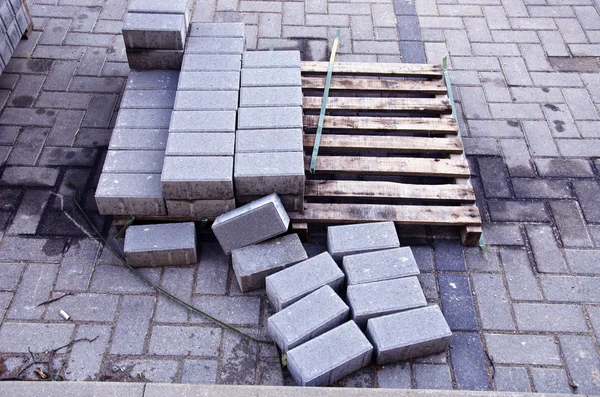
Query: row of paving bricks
pixel 174 151
pixel 14 21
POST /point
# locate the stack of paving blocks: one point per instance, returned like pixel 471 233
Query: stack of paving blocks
pixel 269 151
pixel 389 316
pixel 197 177
pixel 14 21
pixel 130 180
pixel 155 32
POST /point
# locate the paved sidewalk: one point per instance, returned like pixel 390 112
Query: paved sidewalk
pixel 526 313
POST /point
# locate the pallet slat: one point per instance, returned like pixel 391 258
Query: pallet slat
pixel 391 166
pixel 349 84
pixel 432 105
pixel 379 69
pixel 389 190
pixel 402 214
pixel 412 124
pixel 389 144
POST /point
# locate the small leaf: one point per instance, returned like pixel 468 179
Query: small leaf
pixel 283 360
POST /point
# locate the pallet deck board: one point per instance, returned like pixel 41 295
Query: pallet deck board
pixel 386 85
pixel 375 69
pixel 397 124
pixel 389 144
pixel 433 105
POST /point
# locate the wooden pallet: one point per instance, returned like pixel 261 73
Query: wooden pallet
pixel 390 149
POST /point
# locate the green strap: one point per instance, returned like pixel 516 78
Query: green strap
pixel 315 153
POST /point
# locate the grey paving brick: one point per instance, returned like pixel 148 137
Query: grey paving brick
pixel 516 111
pixel 548 79
pixel 253 263
pixel 44 250
pixel 202 121
pixel 30 212
pixel 550 380
pixel 494 128
pixel 380 265
pixel 206 100
pixel 494 85
pixel 241 310
pixel 84 307
pixel 198 209
pixel 474 104
pixel 480 146
pixel 270 96
pixel 271 77
pixel 86 358
pixel 507 349
pixel 143 118
pixel 457 302
pixel 269 118
pixel 587 193
pixel 275 140
pixel 200 81
pixel 583 262
pixel 355 239
pixel 371 300
pixel 271 59
pixel 19 337
pixel 588 129
pixel 152 80
pixel 34 288
pixel 518 162
pixel 125 194
pixel 178 281
pixel 132 325
pixel 153 370
pixel 68 123
pixel 133 161
pixel 522 284
pixel 570 289
pixel 546 251
pixel 570 224
pixel 161 245
pixel 231 29
pixel 469 361
pixel 200 144
pixel 395 376
pixel 540 317
pixel 212 270
pixel 191 341
pixel 193 178
pixel 199 371
pixel 28 117
pixel 11 276
pixel 494 177
pixel 580 366
pixel 560 120
pixel 264 173
pixel 138 139
pixel 594 316
pixel 148 99
pixel 578 147
pixel 492 302
pixel 237 353
pixel 299 322
pixel 449 255
pixel 77 265
pixel 539 138
pixel 563 168
pixel 292 284
pixel 203 62
pixel 291 202
pixel 202 45
pixel 480 260
pixel 432 377
pixel 273 221
pixel 513 379
pixel 154 31
pixel 148 6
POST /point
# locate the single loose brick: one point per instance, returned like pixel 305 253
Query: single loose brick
pixel 167 244
pixel 380 265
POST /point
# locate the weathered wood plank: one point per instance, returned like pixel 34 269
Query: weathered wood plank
pixel 431 105
pixel 416 124
pixel 433 87
pixel 389 190
pixel 391 166
pixel 389 144
pixel 401 214
pixel 380 69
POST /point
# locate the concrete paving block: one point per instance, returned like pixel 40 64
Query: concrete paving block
pixel 5 50
pixel 166 244
pixel 209 81
pixel 219 29
pixel 384 297
pixel 269 118
pixel 270 96
pixel 211 63
pixel 252 223
pixel 365 237
pixel 202 121
pixel 289 201
pixel 154 59
pixel 22 20
pixel 380 265
pixel 253 263
pixel 265 173
pixel 143 118
pixel 154 31
pixel 161 7
pixel 269 141
pixel 198 209
pixel 6 13
pixel 331 356
pixel 292 284
pixel 308 318
pixel 405 335
pixel 197 178
pixel 271 77
pixel 152 80
pixel 206 100
pixel 148 99
pixel 134 161
pixel 271 59
pixel 142 139
pixel 130 194
pixel 200 144
pixel 214 45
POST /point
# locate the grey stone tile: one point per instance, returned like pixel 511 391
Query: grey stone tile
pixel 550 380
pixel 587 192
pixel 152 80
pixel 540 317
pixel 86 357
pixel 152 370
pixel 502 234
pixel 513 379
pixel 517 211
pixel 569 168
pixel 148 99
pixel 594 316
pixel 206 100
pixel 38 249
pixel 508 349
pixel 200 144
pixel 19 337
pixel 178 281
pixel 34 288
pixel 522 284
pixel 30 212
pixel 457 302
pixel 478 259
pixel 133 162
pixel 202 121
pixel 209 81
pixel 541 188
pixel 571 289
pixel 492 302
pixel 469 362
pixel 132 325
pixel 53 156
pixel 242 310
pixel 11 274
pixel 546 251
pixel 581 365
pixel 143 139
pixel 494 177
pixel 583 261
pixel 570 224
pixel 84 307
pixel 184 341
pixel 449 255
pixel 429 376
pixel 213 269
pixel 200 371
pixel 120 279
pixel 237 360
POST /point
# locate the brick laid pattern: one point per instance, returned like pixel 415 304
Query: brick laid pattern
pixel 13 23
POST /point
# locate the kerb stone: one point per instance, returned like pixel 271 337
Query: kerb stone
pixel 167 244
pixel 409 334
pixel 380 265
pixel 252 264
pixel 355 239
pixel 308 318
pixel 331 356
pixel 294 283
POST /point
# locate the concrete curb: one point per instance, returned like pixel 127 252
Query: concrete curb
pixel 110 389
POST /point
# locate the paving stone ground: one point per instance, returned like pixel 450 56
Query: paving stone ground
pixel 525 312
